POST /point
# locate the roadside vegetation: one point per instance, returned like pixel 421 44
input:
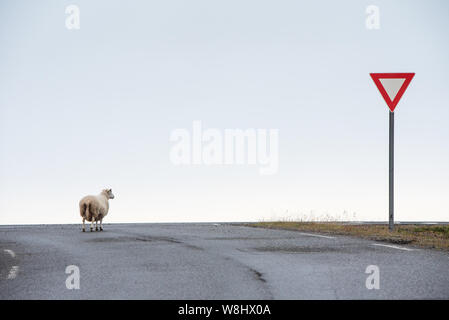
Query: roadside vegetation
pixel 426 236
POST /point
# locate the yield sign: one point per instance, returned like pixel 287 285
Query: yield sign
pixel 392 86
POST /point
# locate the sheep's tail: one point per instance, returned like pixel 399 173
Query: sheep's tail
pixel 85 211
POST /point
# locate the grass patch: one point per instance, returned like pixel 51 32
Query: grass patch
pixel 432 236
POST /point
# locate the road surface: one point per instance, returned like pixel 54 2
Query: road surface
pixel 210 261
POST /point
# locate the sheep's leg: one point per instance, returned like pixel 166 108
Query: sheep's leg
pixel 84 225
pixel 96 225
pixel 92 225
pixel 101 224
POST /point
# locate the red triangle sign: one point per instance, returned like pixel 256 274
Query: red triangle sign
pixel 392 86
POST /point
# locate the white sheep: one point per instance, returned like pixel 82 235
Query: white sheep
pixel 95 208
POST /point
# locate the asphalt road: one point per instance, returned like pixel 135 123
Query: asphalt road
pixel 210 261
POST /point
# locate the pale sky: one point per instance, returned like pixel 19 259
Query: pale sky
pixel 82 110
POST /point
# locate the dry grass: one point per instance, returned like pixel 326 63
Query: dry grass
pixel 426 236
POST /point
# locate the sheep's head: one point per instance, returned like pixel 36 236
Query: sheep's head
pixel 108 193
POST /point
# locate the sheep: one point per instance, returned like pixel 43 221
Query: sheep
pixel 95 208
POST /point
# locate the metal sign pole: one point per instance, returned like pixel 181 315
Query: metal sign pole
pixel 391 172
